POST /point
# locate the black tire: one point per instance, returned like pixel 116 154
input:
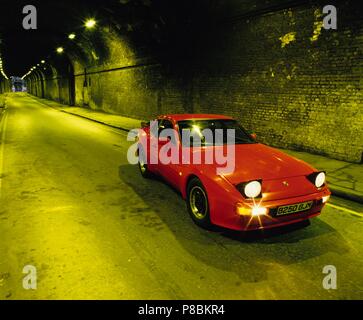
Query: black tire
pixel 198 204
pixel 145 172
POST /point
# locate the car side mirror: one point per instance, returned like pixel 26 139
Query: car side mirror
pixel 144 124
pixel 254 136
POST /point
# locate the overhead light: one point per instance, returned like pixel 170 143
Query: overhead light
pixel 43 61
pixel 60 50
pixel 71 36
pixel 90 23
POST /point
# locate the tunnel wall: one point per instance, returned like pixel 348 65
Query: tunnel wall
pixel 130 82
pixel 5 86
pixel 2 100
pixel 140 91
pixel 51 85
pixel 304 94
pixel 279 73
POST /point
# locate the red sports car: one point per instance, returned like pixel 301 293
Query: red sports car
pixel 260 187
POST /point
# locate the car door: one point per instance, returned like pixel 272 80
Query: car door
pixel 169 149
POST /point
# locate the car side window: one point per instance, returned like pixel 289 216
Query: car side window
pixel 162 124
pixel 167 124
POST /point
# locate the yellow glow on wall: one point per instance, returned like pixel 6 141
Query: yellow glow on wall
pixel 287 38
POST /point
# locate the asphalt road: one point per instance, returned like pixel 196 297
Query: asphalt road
pixel 73 207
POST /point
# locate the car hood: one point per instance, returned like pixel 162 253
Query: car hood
pixel 258 161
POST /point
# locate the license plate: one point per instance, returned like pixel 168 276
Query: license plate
pixel 293 208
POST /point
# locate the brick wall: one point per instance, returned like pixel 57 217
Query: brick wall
pixel 304 95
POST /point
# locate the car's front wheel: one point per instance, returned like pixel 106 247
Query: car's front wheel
pixel 197 203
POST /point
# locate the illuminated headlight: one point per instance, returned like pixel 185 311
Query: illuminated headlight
pixel 259 211
pixel 251 189
pixel 320 179
pixel 253 211
pixel 317 178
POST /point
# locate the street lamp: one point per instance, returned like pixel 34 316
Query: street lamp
pixel 71 36
pixel 90 23
pixel 60 50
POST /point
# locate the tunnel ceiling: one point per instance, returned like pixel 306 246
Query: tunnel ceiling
pixel 153 23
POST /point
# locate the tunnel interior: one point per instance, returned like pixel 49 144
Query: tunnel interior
pixel 270 64
pixel 271 209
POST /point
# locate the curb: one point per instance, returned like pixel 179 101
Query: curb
pixel 341 193
pixel 94 120
pixel 84 117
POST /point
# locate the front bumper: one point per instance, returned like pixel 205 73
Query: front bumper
pixel 271 220
pixel 224 213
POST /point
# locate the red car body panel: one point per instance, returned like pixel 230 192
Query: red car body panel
pixel 284 181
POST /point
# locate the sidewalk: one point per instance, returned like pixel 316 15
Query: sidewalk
pixel 115 121
pixel 345 179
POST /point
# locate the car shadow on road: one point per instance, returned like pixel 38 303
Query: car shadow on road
pixel 229 250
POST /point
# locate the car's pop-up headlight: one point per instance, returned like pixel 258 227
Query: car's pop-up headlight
pixel 250 189
pixel 317 178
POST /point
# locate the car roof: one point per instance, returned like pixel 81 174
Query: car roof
pixel 191 116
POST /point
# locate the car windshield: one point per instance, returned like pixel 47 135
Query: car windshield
pixel 207 132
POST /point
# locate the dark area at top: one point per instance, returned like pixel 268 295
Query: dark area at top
pixel 155 25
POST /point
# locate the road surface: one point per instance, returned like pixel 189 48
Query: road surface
pixel 73 207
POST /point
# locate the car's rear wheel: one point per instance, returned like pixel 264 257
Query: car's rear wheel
pixel 144 170
pixel 197 203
